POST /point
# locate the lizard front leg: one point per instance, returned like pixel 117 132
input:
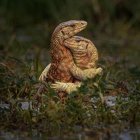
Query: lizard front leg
pixel 85 74
pixel 43 75
pixel 66 87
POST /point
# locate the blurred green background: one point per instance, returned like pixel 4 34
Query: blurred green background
pixel 26 27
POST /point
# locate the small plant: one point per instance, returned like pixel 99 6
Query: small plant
pixel 83 108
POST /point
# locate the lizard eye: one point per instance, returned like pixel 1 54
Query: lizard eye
pixel 86 45
pixel 62 32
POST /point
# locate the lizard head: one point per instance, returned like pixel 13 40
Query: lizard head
pixel 68 29
pixel 77 43
pixel 83 50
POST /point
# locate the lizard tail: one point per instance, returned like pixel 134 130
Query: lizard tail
pixel 43 75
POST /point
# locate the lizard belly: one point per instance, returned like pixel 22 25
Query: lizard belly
pixel 59 70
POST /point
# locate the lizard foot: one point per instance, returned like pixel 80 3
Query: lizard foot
pixel 99 71
pixel 67 87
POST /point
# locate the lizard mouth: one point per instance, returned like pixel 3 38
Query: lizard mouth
pixel 81 28
pixel 72 33
pixel 69 42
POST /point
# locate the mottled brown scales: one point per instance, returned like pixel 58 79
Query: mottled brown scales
pixel 62 59
pixel 84 52
pixel 85 56
pixel 62 67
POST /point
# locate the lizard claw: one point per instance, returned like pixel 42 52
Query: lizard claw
pixel 66 87
pixel 99 71
pixel 59 86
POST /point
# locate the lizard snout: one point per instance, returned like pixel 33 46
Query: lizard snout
pixel 84 23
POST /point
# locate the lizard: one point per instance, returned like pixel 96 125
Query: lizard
pixel 85 56
pixel 62 67
pixel 84 52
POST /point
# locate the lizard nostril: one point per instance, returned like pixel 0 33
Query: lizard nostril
pixel 83 22
pixel 63 32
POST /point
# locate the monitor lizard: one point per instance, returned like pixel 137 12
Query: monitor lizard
pixel 85 56
pixel 62 67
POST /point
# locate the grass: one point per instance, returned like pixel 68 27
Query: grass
pixel 19 80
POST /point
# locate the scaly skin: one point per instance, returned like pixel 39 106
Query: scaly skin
pixel 61 57
pixel 85 56
pixel 84 52
pixel 62 67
